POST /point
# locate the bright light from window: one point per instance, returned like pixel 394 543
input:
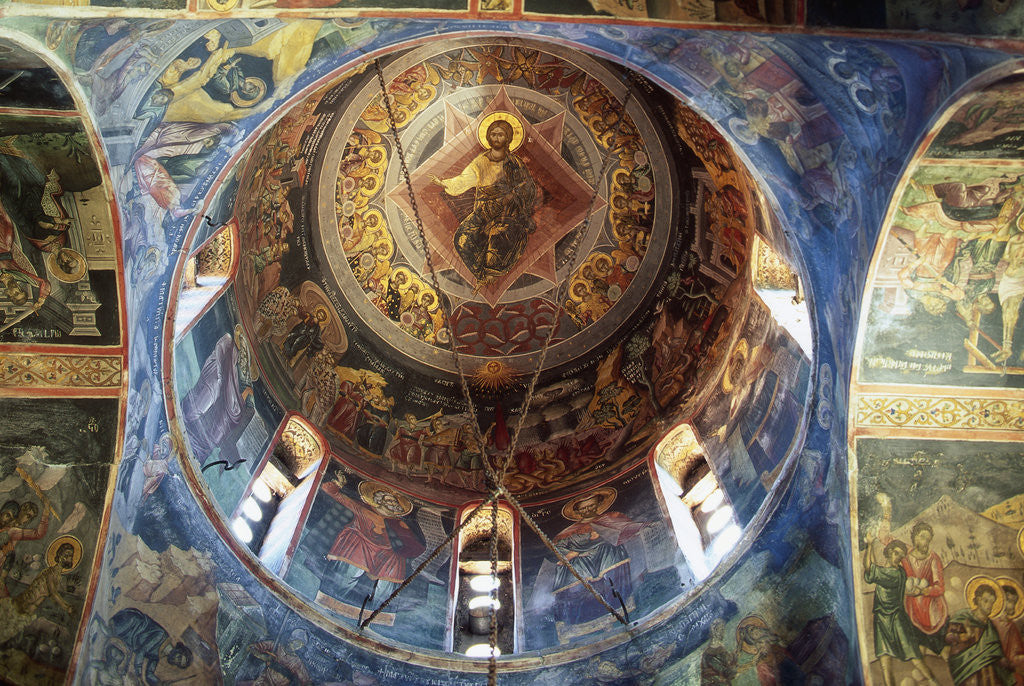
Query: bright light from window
pixel 713 501
pixel 703 489
pixel 719 520
pixel 484 601
pixel 242 531
pixel 482 650
pixel 483 583
pixel 252 510
pixel 261 491
pixel 729 537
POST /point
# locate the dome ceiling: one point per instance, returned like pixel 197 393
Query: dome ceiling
pixel 643 291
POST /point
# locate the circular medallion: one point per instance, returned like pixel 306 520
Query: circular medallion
pixel 529 210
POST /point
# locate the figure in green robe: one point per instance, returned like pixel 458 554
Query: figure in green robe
pixel 976 657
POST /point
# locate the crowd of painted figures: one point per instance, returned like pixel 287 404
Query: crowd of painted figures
pixel 911 617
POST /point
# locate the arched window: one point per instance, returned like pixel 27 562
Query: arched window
pixel 702 516
pixel 477 589
pixel 780 289
pixel 273 506
pixel 207 273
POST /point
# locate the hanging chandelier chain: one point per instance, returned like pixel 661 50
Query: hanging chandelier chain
pixel 551 546
pixel 434 281
pixel 573 255
pixel 496 484
pixel 492 660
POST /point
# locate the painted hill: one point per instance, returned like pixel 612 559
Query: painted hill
pixel 967 537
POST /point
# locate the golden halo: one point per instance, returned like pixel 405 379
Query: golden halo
pixel 749 620
pixel 1020 540
pixel 51 551
pixel 606 494
pixel 367 489
pixel 982 580
pixel 517 129
pixel 742 350
pixel 67 277
pixel 1019 609
pixel 406 274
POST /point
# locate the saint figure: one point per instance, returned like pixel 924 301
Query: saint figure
pixel 976 655
pixel 494 235
pixel 376 542
pixel 595 547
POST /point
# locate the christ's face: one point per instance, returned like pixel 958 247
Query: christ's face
pixel 497 136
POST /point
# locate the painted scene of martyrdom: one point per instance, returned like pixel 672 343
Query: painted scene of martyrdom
pixel 941 561
pixel 986 126
pixel 134 636
pixel 51 506
pixel 360 541
pixel 629 557
pixel 58 256
pixel 951 273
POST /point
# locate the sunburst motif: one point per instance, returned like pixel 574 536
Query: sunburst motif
pixel 494 375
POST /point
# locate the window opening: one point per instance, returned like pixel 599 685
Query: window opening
pixel 269 515
pixel 780 289
pixel 474 582
pixel 207 274
pixel 702 515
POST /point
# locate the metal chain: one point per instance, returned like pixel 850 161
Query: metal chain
pixel 551 546
pixel 430 262
pixel 492 660
pixel 497 479
pixel 573 255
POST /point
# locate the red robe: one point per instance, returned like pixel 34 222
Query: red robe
pixel 364 542
pixel 928 611
pixel 1013 647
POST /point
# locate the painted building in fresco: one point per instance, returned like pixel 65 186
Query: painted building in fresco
pixel 722 298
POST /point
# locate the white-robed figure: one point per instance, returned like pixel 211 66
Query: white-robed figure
pixel 221 400
pixel 492 238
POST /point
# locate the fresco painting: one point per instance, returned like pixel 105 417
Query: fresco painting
pixel 58 264
pixel 346 381
pixel 626 552
pixel 751 426
pixel 941 563
pixel 798 555
pixel 228 416
pixel 950 265
pixel 363 538
pixel 53 487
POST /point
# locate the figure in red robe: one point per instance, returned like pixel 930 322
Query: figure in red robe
pixel 376 542
pixel 925 604
pixel 1009 632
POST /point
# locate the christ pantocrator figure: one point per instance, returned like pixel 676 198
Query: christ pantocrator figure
pixel 493 237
